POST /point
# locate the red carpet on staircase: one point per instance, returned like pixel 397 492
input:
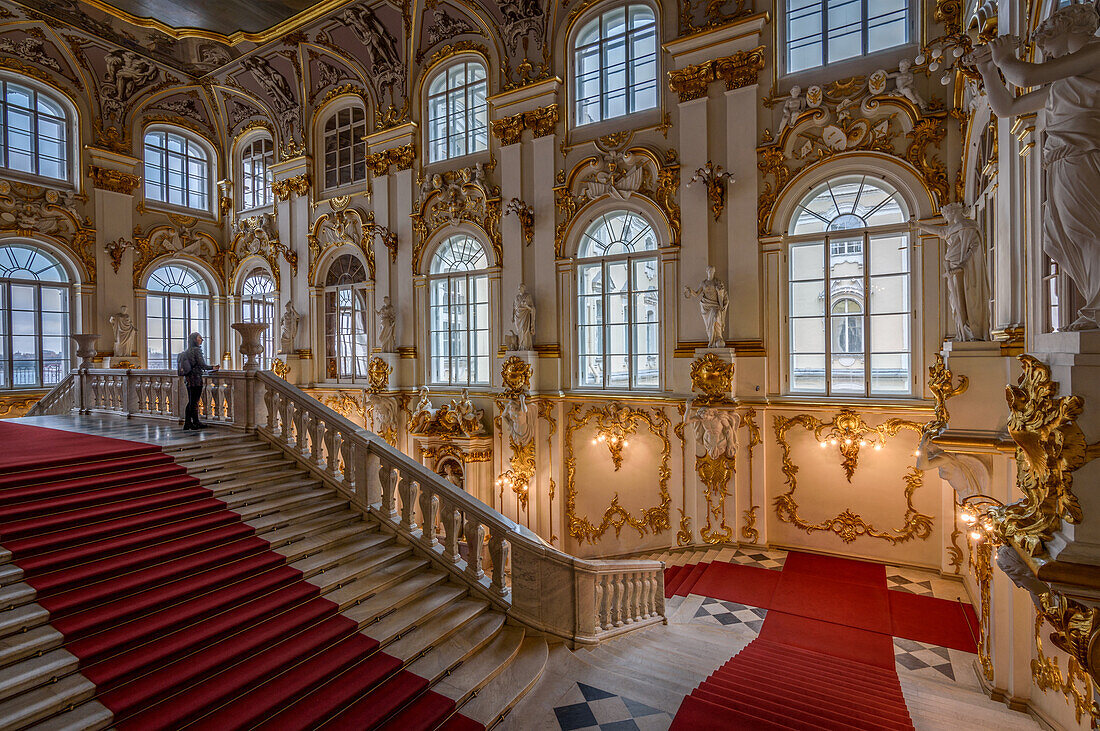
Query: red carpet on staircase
pixel 824 657
pixel 177 611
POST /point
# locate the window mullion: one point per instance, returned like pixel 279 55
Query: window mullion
pixel 867 348
pixel 828 319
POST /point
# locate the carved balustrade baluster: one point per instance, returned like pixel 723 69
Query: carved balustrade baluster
pixel 429 511
pixel 410 491
pixel 597 606
pixel 270 398
pixel 474 533
pixel 288 424
pixel 371 478
pixel 347 452
pixel 452 529
pixel 618 606
pixel 629 598
pixel 500 551
pixel 389 496
pixel 607 610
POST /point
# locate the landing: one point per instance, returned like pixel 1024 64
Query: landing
pixel 151 431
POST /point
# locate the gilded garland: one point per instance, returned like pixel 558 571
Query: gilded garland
pixel 1076 686
pixel 849 432
pixel 651 520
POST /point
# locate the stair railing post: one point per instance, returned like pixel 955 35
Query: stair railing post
pixel 429 510
pixel 452 529
pixel 500 551
pixel 474 533
pixel 410 491
pixel 389 496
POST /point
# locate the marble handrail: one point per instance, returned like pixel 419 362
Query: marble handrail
pixel 58 400
pixel 581 601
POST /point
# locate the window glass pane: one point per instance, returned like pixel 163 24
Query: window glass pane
pixel 842 29
pixel 615 64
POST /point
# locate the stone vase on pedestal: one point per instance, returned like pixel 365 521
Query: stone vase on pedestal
pixel 85 348
pixel 251 346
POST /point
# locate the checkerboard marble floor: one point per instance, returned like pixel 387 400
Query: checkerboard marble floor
pixel 759 558
pixel 587 708
pixel 723 614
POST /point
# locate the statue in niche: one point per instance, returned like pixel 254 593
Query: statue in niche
pixel 125 74
pixel 514 416
pixel 469 417
pixel 125 333
pixel 714 301
pixel 274 83
pixel 792 107
pixel 451 473
pixel 387 326
pixel 422 414
pixel 967 280
pixel 1069 94
pixel 523 319
pixel 904 85
pixel 289 328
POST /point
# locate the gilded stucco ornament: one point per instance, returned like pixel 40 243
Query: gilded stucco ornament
pixel 378 375
pixel 32 210
pixel 1050 446
pixel 114 181
pixel 940 383
pixel 738 70
pixel 454 197
pixel 460 418
pixel 1077 685
pixel 383 410
pixel 712 379
pixel 848 432
pixel 515 374
pixel 339 227
pixel 399 158
pixel 654 520
pixel 289 187
pixel 526 215
pixel 716 181
pixel 280 368
pixel 715 464
pixel 542 122
pixel 748 530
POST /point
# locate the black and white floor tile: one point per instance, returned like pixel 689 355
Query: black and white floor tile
pixel 724 614
pixel 759 558
pixel 926 583
pixel 587 708
pixel 910 584
pixel 934 662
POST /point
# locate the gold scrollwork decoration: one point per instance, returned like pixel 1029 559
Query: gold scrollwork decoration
pixel 940 380
pixel 18 405
pixel 981 566
pixel 280 369
pixel 748 530
pixel 683 536
pixel 738 70
pixel 400 158
pixel 715 473
pixel 515 374
pixel 1050 446
pixel 849 431
pixel 712 379
pixel 115 181
pixel 289 187
pixel 542 121
pixel 1076 686
pixel 651 520
pixel 378 375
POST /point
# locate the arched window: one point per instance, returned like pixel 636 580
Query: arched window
pixel 346 319
pixel 849 313
pixel 821 32
pixel 177 170
pixel 34 317
pixel 36 132
pixel 177 305
pixel 256 160
pixel 618 304
pixel 615 64
pixel 458 115
pixel 459 313
pixel 345 148
pixel 258 305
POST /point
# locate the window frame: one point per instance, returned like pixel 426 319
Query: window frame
pixel 469 279
pixel 631 258
pixel 68 286
pixel 597 14
pixel 190 138
pixel 839 67
pixel 827 239
pixel 267 158
pixel 350 105
pixel 267 301
pixel 335 340
pixel 469 90
pixel 70 124
pixel 166 296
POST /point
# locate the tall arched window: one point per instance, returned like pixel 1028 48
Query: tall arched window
pixel 36 132
pixel 459 313
pixel 346 319
pixel 345 148
pixel 34 317
pixel 256 160
pixel 458 115
pixel 177 170
pixel 615 64
pixel 849 313
pixel 618 304
pixel 177 305
pixel 258 305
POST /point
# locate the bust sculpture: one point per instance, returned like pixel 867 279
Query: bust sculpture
pixel 965 271
pixel 713 302
pixel 1068 81
pixel 125 333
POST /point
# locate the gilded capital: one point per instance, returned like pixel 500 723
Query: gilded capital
pixel 691 82
pixel 290 187
pixel 115 181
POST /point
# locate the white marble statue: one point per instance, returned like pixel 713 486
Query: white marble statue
pixel 965 271
pixel 289 328
pixel 469 417
pixel 713 302
pixel 523 318
pixel 516 420
pixel 387 326
pixel 1068 82
pixel 792 107
pixel 125 333
pixel 904 83
pixel 716 430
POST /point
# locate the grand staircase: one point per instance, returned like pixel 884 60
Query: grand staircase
pixel 221 585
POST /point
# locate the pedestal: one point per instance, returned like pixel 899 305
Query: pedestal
pixel 981 407
pixel 393 360
pixel 725 354
pixel 531 358
pixel 131 361
pixel 1074 360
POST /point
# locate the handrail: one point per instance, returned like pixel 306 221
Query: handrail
pixel 581 601
pixel 58 400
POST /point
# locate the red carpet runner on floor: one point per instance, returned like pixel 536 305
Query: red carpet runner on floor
pixel 176 610
pixel 824 657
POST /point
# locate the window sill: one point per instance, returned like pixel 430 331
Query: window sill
pixel 914 403
pixel 161 206
pixel 886 58
pixel 462 161
pixel 633 121
pixel 258 210
pixel 42 181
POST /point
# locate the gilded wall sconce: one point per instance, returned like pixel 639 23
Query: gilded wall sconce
pixel 716 182
pixel 526 216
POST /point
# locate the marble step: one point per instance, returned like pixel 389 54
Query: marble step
pixel 444 624
pixel 239 459
pixel 90 716
pixel 341 575
pixel 413 614
pixel 32 672
pixel 483 667
pixel 501 694
pixel 322 539
pixel 34 641
pixel 22 618
pixel 394 598
pixel 15 595
pixel 237 481
pixel 383 577
pixel 239 495
pixel 287 536
pixel 225 448
pixel 324 558
pixel 457 647
pixel 282 502
pixel 265 467
pixel 10 574
pixel 44 702
pixel 299 513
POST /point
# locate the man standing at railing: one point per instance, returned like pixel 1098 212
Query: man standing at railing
pixel 191 364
